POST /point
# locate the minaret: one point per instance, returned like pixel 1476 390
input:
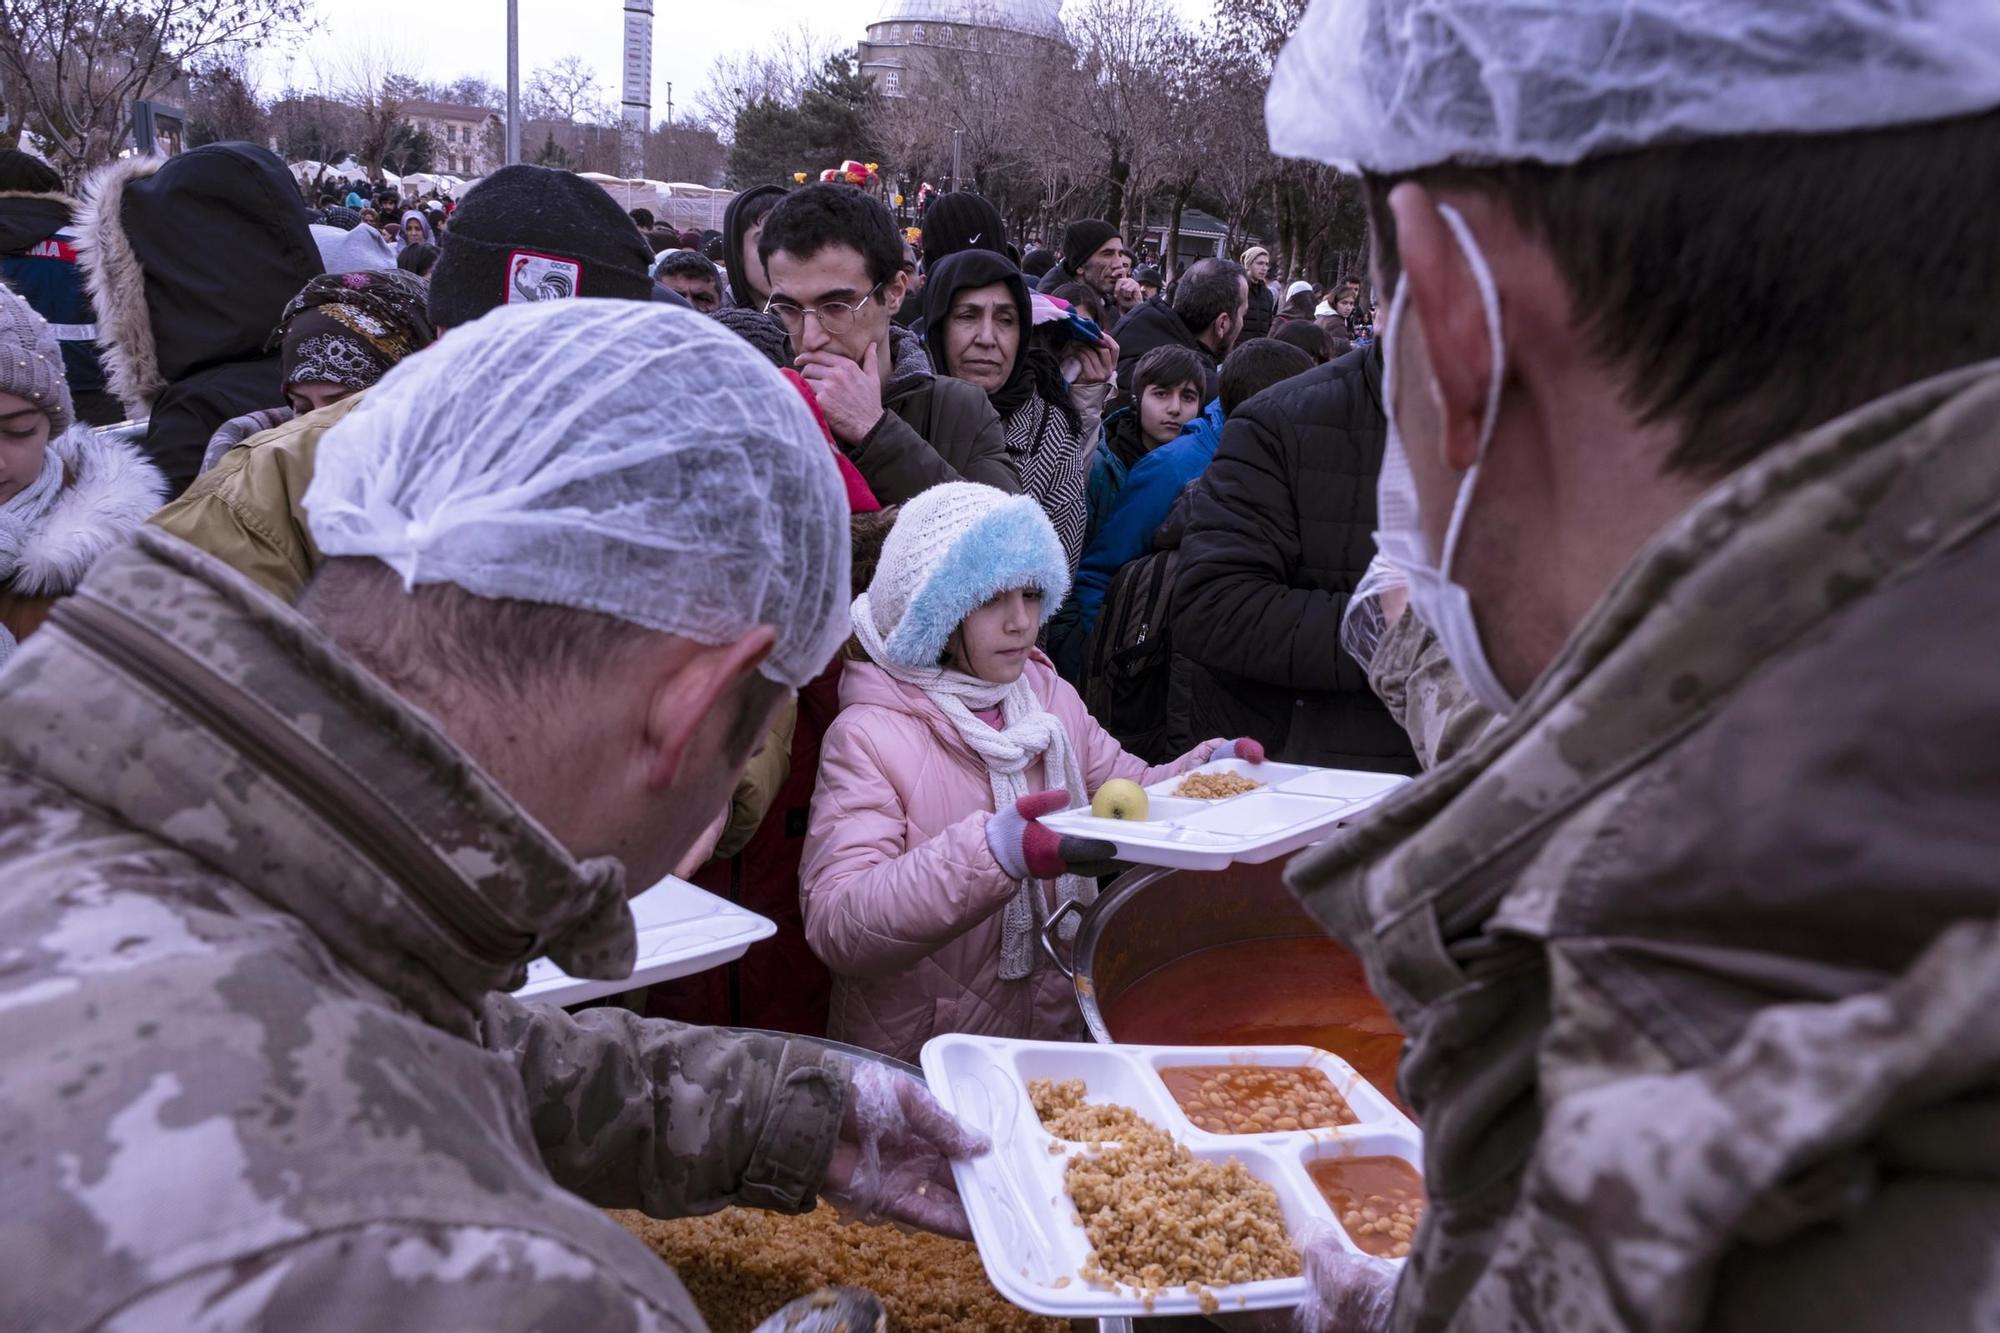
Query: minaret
pixel 637 104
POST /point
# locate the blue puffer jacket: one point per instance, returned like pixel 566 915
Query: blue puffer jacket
pixel 38 260
pixel 1126 532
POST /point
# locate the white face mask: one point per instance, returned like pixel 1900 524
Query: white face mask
pixel 1440 602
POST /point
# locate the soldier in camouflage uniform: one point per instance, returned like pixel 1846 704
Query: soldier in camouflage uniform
pixel 258 914
pixel 1694 922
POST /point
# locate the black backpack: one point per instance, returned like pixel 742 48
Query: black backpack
pixel 1129 664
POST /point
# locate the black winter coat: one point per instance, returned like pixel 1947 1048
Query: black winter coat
pixel 1281 530
pixel 1263 309
pixel 194 259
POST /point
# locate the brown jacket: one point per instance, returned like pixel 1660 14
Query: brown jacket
pixel 245 510
pixel 935 429
pixel 1698 951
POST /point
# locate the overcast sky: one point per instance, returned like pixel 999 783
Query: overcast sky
pixel 446 39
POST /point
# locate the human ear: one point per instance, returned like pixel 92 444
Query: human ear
pixel 688 691
pixel 1450 316
pixel 894 290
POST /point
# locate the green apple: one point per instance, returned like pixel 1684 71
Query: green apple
pixel 1120 798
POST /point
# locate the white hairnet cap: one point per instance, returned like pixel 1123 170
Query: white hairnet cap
pixel 1395 85
pixel 625 457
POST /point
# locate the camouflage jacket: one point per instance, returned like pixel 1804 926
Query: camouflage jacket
pixel 254 1071
pixel 1698 951
pixel 1417 683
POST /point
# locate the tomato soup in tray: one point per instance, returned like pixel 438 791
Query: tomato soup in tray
pixel 1286 991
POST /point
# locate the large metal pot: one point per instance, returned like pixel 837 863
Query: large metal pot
pixel 1149 917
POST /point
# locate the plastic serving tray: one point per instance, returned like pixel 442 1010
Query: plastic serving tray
pixel 1295 807
pixel 682 930
pixel 1014 1195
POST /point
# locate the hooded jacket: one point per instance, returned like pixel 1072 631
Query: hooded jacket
pixel 108 490
pixel 1698 950
pixel 1154 324
pixel 38 259
pixel 902 895
pixel 261 917
pixel 733 227
pixel 190 260
pixel 1050 431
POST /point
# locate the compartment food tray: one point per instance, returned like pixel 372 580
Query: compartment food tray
pixel 1295 807
pixel 1014 1197
pixel 682 930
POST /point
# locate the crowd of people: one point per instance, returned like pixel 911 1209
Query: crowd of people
pixel 388 592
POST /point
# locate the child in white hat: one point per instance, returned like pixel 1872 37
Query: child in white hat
pixel 927 876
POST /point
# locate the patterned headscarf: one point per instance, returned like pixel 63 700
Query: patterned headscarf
pixel 349 328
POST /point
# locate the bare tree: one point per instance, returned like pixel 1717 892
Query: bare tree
pixel 1127 50
pixel 779 69
pixel 71 69
pixel 971 88
pixel 222 103
pixel 374 80
pixel 567 92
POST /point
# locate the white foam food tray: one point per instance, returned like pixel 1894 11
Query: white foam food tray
pixel 682 930
pixel 1014 1196
pixel 1294 807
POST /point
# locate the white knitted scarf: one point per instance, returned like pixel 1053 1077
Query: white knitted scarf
pixel 1028 731
pixel 19 515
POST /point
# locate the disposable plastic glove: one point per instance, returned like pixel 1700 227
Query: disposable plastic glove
pixel 1372 608
pixel 1026 850
pixel 1349 1293
pixel 892 1161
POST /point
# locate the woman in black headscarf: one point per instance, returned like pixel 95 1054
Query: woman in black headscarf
pixel 979 326
pixel 339 335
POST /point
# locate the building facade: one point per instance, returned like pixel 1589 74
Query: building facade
pixel 470 139
pixel 910 38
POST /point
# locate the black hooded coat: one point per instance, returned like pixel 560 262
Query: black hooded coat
pixel 190 261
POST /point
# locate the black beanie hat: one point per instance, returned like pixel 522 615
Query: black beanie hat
pixel 530 233
pixel 962 220
pixel 760 330
pixel 1082 239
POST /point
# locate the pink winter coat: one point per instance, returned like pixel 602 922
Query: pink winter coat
pixel 902 897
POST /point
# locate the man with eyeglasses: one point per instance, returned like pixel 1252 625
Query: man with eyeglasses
pixel 835 261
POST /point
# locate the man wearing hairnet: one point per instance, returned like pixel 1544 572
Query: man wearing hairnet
pixel 1694 933
pixel 267 873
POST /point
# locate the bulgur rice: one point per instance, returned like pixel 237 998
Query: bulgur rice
pixel 742 1264
pixel 1215 786
pixel 1158 1216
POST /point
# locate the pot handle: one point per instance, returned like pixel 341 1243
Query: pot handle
pixel 1053 932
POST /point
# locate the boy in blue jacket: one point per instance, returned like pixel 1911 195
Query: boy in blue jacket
pixel 1155 481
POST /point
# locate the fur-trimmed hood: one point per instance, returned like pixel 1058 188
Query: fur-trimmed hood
pixel 189 261
pixel 108 491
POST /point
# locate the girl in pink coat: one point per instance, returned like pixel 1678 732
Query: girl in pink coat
pixel 927 876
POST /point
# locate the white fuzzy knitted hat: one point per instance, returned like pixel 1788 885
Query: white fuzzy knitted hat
pixel 31 363
pixel 953 549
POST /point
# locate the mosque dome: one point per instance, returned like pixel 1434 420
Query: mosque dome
pixel 1039 18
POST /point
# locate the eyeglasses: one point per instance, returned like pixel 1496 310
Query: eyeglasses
pixel 835 317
